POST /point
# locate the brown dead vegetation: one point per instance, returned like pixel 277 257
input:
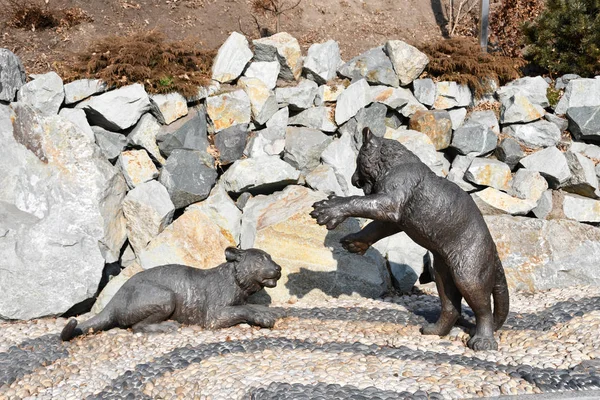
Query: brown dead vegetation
pixel 506 24
pixel 32 15
pixel 461 60
pixel 146 58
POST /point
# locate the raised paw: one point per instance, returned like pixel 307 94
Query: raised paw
pixel 329 212
pixel 352 244
pixel 479 343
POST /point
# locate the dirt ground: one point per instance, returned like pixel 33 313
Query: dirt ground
pixel 356 24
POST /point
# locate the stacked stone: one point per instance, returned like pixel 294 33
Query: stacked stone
pixel 97 176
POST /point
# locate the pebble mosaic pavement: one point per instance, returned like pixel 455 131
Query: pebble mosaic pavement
pixel 352 348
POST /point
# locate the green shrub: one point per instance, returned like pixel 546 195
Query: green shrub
pixel 565 38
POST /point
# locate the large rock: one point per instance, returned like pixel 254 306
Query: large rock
pixel 12 75
pixel 298 97
pixel 229 109
pixel 45 93
pixel 540 255
pixel 579 93
pixel 231 143
pixel 355 97
pixel 188 175
pixel 407 60
pixel 222 211
pixel 533 88
pixel 262 174
pixel 231 59
pixel 313 261
pixel 518 109
pixel 266 142
pixel 424 90
pixel 78 117
pixel 61 219
pixel 303 147
pixel 118 109
pixel 328 94
pixel 451 95
pixel 194 239
pixel 436 124
pixel 137 167
pixel 509 151
pixel 583 179
pixel 528 185
pixel 188 133
pixel 111 144
pixel 373 65
pixel 419 144
pixel 535 135
pixel 460 164
pixel 281 47
pixel 551 163
pixel 145 135
pixel 406 259
pixel 489 172
pixel 171 106
pixel 81 89
pixel 494 202
pixel 584 123
pixel 392 97
pixel 148 210
pixel 322 61
pixel 321 118
pixel 582 209
pixel 324 179
pixel 341 156
pixel 473 137
pixel 262 99
pixel 266 71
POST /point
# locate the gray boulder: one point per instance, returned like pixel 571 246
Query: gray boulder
pixel 266 142
pixel 231 59
pixel 551 163
pixel 355 97
pixel 341 156
pixel 489 172
pixel 118 109
pixel 262 99
pixel 474 138
pixel 424 91
pixel 407 60
pixel 563 81
pixel 259 175
pixel 228 109
pixel 12 75
pixel 582 209
pixel 111 144
pixel 189 133
pixel 373 65
pixel 285 49
pixel 321 118
pixel 298 97
pixel 148 211
pixel 324 179
pixel 419 144
pixel 60 214
pixel 591 151
pixel 544 205
pixel 519 109
pixel 303 147
pixel 579 93
pixel 222 211
pixel 529 185
pixel 328 94
pixel 583 178
pixel 540 255
pixel 451 95
pixel 584 123
pixel 137 167
pixel 78 117
pixel 231 143
pixel 535 135
pixel 509 151
pixel 395 98
pixel 434 123
pixel 322 61
pixel 492 201
pixel 460 165
pixel 144 135
pixel 561 123
pixel 81 89
pixel 171 106
pixel 188 175
pixel 45 92
pixel 266 71
pixel 457 115
pixel 533 88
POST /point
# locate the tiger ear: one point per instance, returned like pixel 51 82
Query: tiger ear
pixel 367 135
pixel 233 254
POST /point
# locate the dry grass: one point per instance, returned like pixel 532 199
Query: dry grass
pixel 145 58
pixel 461 60
pixel 32 15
